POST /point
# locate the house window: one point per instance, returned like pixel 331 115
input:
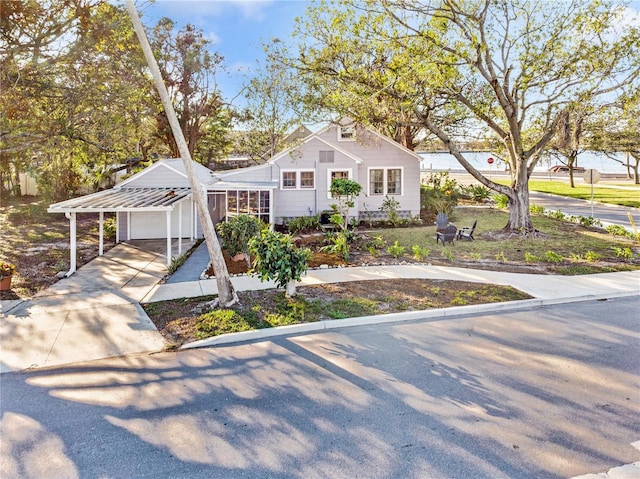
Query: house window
pixel 307 179
pixel 289 180
pixel 394 182
pixel 376 182
pixel 298 179
pixel 385 181
pixel 255 203
pixel 335 175
pixel 326 156
pixel 346 133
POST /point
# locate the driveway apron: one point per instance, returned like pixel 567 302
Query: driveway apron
pixel 93 314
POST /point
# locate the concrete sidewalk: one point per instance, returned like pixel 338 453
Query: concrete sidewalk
pixel 96 313
pixel 93 314
pixel 549 287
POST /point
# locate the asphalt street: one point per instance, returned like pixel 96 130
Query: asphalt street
pixel 541 393
pixel 609 214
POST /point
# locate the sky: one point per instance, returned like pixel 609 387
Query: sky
pixel 237 29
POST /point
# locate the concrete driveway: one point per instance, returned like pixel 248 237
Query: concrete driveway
pixel 91 315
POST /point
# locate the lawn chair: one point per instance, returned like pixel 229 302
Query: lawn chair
pixel 442 220
pixel 467 233
pixel 448 234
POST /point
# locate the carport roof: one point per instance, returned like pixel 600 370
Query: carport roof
pixel 123 199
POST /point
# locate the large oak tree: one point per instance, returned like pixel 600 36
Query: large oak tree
pixel 510 69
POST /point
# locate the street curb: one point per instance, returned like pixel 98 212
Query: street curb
pixel 456 311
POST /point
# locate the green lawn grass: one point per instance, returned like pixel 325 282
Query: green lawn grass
pixel 615 196
pixel 573 242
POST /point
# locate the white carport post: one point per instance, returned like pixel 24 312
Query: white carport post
pixel 180 228
pixel 271 218
pixel 72 242
pixel 101 228
pixel 168 237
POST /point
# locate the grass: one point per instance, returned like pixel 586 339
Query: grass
pixel 562 239
pixel 194 318
pixel 615 196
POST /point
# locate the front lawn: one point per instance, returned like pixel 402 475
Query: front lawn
pixel 190 319
pixel 561 247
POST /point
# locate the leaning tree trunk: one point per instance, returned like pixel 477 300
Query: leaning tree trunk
pixel 226 293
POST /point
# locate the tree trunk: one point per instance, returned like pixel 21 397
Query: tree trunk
pixel 226 293
pixel 519 214
pixel 290 289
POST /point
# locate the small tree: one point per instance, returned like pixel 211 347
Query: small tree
pixel 277 258
pixel 346 192
pixel 237 232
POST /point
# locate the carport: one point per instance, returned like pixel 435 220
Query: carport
pixel 128 200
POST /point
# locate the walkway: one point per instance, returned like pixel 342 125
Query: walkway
pixel 91 315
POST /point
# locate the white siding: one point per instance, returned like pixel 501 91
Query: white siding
pixel 151 225
pixel 159 177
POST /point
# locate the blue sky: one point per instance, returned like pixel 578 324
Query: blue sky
pixel 237 29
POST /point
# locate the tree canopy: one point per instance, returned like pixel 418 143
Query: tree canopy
pixel 511 71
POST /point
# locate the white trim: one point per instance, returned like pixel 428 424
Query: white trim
pixel 342 128
pixel 385 180
pixel 322 140
pixel 332 170
pixel 298 185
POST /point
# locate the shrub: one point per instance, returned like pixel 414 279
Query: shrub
pixel 588 221
pixel 501 257
pixel 536 209
pixel 237 232
pixel 439 195
pixel 531 258
pixel 448 254
pixel 592 256
pixel 616 230
pixel 559 215
pixel 501 201
pixel 625 252
pixel 375 245
pixel 552 257
pixel 339 244
pixel 278 259
pixel 396 250
pixel 420 253
pixel 479 193
pixel 390 207
pixel 303 224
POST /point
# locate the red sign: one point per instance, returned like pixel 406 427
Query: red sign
pixel 490 161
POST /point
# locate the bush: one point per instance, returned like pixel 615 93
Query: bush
pixel 390 207
pixel 396 250
pixel 278 259
pixel 339 244
pixel 501 201
pixel 439 195
pixel 478 193
pixel 237 232
pixel 592 256
pixel 303 224
pixel 420 253
pixel 625 252
pixel 531 258
pixel 552 257
pixel 536 209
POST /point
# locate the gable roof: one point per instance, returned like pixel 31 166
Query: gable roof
pixel 205 175
pixel 373 131
pixel 315 136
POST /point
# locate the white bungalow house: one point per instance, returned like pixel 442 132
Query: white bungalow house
pixel 157 202
pixel 299 177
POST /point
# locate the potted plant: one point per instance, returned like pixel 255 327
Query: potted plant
pixel 7 270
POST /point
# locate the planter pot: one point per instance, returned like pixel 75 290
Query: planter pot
pixel 5 283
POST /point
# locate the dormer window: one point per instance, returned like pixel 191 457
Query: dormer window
pixel 346 133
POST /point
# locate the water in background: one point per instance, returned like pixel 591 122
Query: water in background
pixel 588 159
